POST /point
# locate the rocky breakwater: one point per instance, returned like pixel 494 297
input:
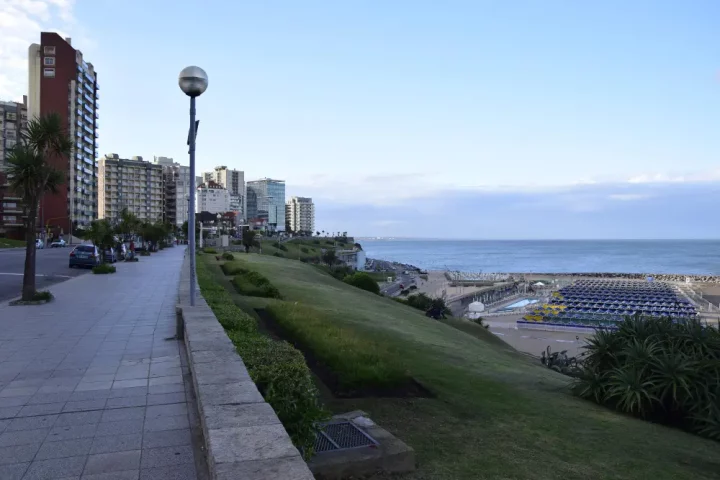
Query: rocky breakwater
pixel 662 277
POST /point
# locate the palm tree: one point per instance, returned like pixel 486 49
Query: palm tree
pixel 31 176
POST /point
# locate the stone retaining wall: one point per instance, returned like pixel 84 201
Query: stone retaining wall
pixel 243 437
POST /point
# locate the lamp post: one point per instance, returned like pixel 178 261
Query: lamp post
pixel 193 81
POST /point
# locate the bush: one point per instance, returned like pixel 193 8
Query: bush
pixel 278 369
pixel 43 295
pixel 304 250
pixel 341 271
pixel 357 362
pixel 254 284
pixel 658 370
pixel 404 292
pixel 316 242
pixel 278 254
pixel 103 269
pixel 144 253
pixel 209 250
pixel 363 281
pixel 228 256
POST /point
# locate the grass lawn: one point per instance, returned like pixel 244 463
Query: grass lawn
pixel 496 413
pixel 10 243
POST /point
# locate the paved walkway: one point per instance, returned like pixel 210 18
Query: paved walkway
pixel 92 385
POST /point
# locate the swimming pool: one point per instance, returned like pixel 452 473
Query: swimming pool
pixel 519 304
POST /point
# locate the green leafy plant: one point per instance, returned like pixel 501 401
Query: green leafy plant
pixel 43 296
pixel 277 368
pixel 209 250
pixel 228 256
pixel 656 369
pixel 278 254
pixel 254 284
pixel 363 281
pixel 103 268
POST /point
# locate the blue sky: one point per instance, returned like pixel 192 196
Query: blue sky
pixel 401 117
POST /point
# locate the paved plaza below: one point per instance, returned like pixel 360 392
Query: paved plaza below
pixel 94 385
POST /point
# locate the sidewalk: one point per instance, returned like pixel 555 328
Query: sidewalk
pixel 94 383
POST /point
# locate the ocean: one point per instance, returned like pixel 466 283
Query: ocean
pixel 698 257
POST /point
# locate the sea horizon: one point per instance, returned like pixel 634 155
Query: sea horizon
pixel 639 256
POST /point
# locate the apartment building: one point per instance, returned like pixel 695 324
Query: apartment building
pixel 13 122
pixel 132 184
pixel 300 215
pixel 266 199
pixel 213 198
pixel 234 182
pixel 62 82
pixel 176 179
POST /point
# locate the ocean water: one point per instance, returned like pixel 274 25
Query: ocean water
pixel 699 257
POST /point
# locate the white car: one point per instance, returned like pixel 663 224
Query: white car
pixel 39 243
pixel 58 243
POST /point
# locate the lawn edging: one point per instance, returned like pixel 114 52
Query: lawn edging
pixel 242 434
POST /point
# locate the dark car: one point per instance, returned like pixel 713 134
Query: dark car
pixel 84 256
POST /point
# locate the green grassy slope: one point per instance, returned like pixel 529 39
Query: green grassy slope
pixel 497 414
pixel 10 243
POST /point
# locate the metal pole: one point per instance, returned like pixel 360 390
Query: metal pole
pixel 191 213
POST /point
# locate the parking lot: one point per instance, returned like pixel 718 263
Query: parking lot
pixel 51 267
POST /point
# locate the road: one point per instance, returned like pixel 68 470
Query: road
pixel 51 267
pixel 393 289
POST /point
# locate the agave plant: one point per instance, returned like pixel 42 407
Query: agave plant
pixel 602 350
pixel 631 390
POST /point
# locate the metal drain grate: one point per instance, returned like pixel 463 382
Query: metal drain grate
pixel 342 436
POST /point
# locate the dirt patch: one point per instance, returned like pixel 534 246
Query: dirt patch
pixel 410 389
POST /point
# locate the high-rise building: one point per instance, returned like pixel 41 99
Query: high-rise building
pixel 234 182
pixel 13 123
pixel 266 199
pixel 62 82
pixel 213 198
pixel 300 215
pixel 134 184
pixel 176 180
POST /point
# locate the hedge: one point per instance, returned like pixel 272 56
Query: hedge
pixel 363 281
pixel 277 368
pixel 103 268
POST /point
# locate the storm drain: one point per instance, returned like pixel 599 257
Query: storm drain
pixel 342 436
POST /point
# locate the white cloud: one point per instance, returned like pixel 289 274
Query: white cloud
pixel 629 197
pixel 21 22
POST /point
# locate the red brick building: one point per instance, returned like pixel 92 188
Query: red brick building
pixel 62 82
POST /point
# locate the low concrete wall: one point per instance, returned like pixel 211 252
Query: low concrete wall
pixel 243 437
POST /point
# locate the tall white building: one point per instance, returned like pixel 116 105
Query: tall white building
pixel 300 214
pixel 134 184
pixel 176 179
pixel 234 182
pixel 212 197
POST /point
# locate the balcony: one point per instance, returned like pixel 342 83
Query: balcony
pixel 89 86
pixel 88 107
pixel 87 150
pixel 88 130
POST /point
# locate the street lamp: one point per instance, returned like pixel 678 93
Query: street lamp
pixel 193 81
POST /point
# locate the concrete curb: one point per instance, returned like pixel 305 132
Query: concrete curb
pixel 243 437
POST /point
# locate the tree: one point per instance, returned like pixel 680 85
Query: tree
pixel 364 281
pixel 249 239
pixel 31 176
pixel 317 234
pixel 329 257
pixel 101 234
pixel 128 225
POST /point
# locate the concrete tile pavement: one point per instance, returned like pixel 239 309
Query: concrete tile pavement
pixel 94 385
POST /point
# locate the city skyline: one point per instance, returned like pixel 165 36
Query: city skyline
pixel 384 107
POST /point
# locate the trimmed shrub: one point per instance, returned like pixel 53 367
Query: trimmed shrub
pixel 209 250
pixel 276 367
pixel 363 281
pixel 304 250
pixel 43 295
pixel 228 256
pixel 103 269
pixel 278 254
pixel 254 284
pixel 232 268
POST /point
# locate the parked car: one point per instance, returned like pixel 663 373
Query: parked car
pixel 39 243
pixel 84 256
pixel 110 256
pixel 58 244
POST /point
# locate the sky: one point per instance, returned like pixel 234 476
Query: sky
pixel 415 118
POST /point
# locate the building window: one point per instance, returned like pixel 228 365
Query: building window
pixel 49 72
pixel 49 50
pixel 9 218
pixel 49 61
